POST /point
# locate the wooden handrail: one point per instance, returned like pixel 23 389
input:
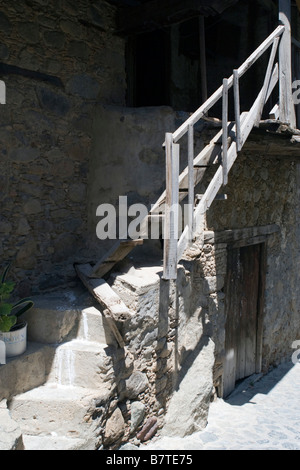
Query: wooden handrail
pixel 244 124
pixel 205 107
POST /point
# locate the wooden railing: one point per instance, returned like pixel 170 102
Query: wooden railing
pixel 232 137
pixel 296 75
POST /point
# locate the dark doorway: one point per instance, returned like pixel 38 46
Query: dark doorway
pixel 148 69
pixel 243 308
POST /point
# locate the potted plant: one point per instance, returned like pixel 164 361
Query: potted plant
pixel 13 332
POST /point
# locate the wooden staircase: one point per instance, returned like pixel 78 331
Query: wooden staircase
pixel 219 155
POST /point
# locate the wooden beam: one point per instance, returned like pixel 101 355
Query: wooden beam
pixel 267 79
pixel 118 252
pixel 274 113
pixel 286 105
pixel 113 308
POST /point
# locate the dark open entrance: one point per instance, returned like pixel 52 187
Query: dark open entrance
pixel 148 69
pixel 244 308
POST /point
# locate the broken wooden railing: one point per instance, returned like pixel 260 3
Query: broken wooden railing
pixel 222 149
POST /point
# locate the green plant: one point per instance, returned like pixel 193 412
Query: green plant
pixel 8 311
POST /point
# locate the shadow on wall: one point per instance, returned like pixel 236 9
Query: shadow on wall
pixel 127 159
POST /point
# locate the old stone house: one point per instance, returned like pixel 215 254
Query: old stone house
pixel 92 88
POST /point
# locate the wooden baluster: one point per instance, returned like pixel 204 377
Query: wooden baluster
pixel 237 110
pixel 191 178
pixel 225 130
pixel 171 209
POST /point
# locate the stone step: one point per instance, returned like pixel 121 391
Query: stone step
pixel 93 326
pixel 10 432
pixel 52 442
pixel 27 371
pixel 82 363
pixel 71 412
pixel 60 317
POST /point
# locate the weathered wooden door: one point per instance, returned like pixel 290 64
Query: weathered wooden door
pixel 242 305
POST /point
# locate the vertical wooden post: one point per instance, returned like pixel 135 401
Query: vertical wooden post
pixel 203 59
pixel 237 110
pixel 225 130
pixel 286 105
pixel 191 181
pixel 171 208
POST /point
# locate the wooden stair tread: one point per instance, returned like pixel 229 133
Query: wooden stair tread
pixel 118 252
pixel 206 158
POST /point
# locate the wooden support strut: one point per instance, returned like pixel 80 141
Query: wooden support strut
pixel 113 308
pixel 286 105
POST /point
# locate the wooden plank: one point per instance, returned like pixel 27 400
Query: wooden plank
pixel 232 289
pixel 113 307
pixel 286 105
pixel 242 291
pixel 274 113
pixel 225 130
pixel 267 80
pixel 118 252
pixel 237 110
pixel 273 81
pixel 171 212
pixel 191 178
pixel 103 293
pixel 261 307
pixel 251 261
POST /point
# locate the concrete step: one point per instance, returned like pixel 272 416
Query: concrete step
pixel 53 443
pixel 82 363
pixel 10 432
pixel 59 317
pixel 27 371
pixel 70 412
pixel 94 327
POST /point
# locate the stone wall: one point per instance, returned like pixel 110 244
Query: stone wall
pixel 172 355
pixel 57 59
pixel 179 327
pixel 264 190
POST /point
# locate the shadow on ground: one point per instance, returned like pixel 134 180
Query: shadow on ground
pixel 258 383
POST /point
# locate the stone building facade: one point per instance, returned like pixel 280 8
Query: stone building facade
pixel 71 139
